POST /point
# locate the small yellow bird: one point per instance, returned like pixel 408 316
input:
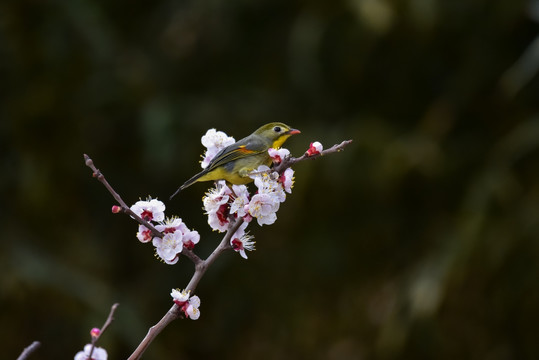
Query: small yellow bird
pixel 236 161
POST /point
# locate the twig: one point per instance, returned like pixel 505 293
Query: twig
pixel 29 350
pixel 289 161
pixel 109 320
pixel 127 210
pixel 174 312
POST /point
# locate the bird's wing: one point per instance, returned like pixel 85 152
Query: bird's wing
pixel 242 148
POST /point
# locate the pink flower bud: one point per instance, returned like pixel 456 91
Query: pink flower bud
pixel 116 209
pixel 95 332
pixel 314 149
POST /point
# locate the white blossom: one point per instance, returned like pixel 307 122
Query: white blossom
pixel 188 304
pixel 267 183
pixel 169 246
pixel 152 210
pixel 216 206
pixel 144 234
pixel 214 141
pixel 240 201
pixel 241 241
pixel 171 225
pixel 263 207
pixel 287 180
pixel 180 296
pixel 278 155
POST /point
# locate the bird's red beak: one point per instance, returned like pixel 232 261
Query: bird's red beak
pixel 294 131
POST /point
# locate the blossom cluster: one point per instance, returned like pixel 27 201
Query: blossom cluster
pixel 188 304
pixel 224 203
pixel 176 235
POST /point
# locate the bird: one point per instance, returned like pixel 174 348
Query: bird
pixel 234 162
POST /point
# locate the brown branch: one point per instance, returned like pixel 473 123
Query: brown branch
pixel 174 312
pixel 290 160
pixel 29 350
pixel 109 320
pixel 127 210
pixel 201 267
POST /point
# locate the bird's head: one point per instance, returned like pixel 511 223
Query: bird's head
pixel 276 132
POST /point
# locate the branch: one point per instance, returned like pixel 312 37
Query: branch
pixel 289 161
pixel 109 320
pixel 127 210
pixel 29 350
pixel 174 312
pixel 204 265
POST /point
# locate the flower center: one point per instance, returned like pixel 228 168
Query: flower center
pixel 237 244
pixel 147 215
pixel 222 214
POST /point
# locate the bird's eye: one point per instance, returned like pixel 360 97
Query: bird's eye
pixel 277 129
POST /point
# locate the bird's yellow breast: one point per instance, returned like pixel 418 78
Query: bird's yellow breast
pixel 280 141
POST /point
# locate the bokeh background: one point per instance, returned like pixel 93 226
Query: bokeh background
pixel 419 241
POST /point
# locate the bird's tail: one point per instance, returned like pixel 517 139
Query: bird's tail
pixel 188 183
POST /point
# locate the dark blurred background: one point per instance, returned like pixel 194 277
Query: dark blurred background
pixel 419 241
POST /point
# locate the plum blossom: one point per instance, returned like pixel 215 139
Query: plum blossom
pixel 192 311
pixel 176 235
pixel 144 234
pixel 180 296
pixel 241 201
pixel 216 197
pixel 190 238
pixel 214 141
pixel 287 180
pixel 188 304
pixel 97 354
pixel 175 224
pixel 278 155
pixel 241 241
pixel 169 246
pixel 150 210
pixel 171 225
pixel 263 207
pixel 266 182
pixel 314 149
pixel 217 207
